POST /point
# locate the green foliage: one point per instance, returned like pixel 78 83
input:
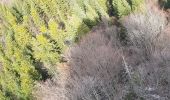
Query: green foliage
pixel 136 4
pixel 45 50
pixel 125 7
pixel 166 3
pixel 121 7
pixel 18 72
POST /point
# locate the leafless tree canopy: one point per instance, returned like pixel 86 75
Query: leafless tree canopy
pixel 94 65
pixel 100 68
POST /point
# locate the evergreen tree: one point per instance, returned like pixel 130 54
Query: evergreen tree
pixel 136 4
pixel 121 7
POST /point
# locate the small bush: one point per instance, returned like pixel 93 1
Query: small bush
pixel 144 29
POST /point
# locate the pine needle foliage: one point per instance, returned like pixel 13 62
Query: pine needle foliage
pixel 125 7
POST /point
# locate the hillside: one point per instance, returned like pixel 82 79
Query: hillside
pixel 84 50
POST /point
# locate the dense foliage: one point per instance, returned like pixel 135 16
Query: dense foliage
pixel 34 34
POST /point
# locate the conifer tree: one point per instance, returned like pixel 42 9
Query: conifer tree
pixel 136 4
pixel 121 7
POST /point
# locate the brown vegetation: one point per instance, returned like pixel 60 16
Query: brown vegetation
pixel 101 68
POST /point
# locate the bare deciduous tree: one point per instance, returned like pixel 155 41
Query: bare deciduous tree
pixel 144 28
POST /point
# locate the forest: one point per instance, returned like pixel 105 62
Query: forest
pixel 84 49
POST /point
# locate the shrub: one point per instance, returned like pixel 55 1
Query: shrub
pixel 144 29
pixel 147 53
pixel 93 66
